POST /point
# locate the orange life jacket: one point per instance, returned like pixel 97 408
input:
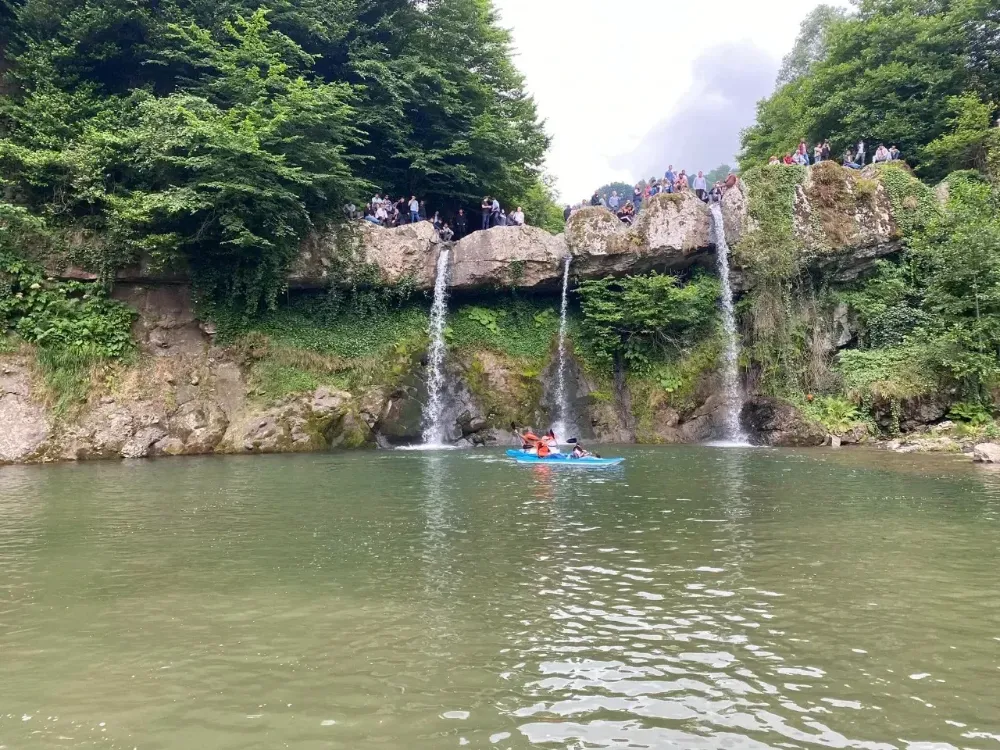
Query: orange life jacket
pixel 543 449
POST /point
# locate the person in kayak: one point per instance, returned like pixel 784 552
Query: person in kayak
pixel 543 449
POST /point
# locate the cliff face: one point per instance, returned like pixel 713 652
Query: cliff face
pixel 185 394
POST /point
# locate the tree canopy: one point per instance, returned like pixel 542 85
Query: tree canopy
pixel 890 72
pixel 221 131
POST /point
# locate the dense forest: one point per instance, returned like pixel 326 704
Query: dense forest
pixel 221 133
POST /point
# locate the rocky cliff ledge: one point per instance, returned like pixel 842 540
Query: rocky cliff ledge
pixel 673 233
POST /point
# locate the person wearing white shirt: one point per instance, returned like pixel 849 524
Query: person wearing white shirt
pixel 414 209
pixel 517 218
pixel 700 186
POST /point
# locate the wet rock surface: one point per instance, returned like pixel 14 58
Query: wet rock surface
pixel 776 423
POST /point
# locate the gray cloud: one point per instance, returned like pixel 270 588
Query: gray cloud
pixel 704 131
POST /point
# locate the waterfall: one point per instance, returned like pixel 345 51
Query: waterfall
pixel 730 373
pixel 562 398
pixel 433 415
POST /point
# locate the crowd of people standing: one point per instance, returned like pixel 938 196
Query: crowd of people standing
pixel 626 207
pixel 385 211
pixel 853 157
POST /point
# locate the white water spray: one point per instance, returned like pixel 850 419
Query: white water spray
pixel 562 398
pixel 730 372
pixel 433 416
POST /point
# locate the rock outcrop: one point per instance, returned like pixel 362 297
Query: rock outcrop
pixel 517 257
pixel 776 423
pixel 843 221
pixel 986 453
pixel 24 423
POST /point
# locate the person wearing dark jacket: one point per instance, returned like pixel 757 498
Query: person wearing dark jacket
pixel 461 225
pixel 567 212
pixel 487 210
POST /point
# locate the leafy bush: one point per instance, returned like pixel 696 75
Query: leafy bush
pixel 892 373
pixel 972 413
pixel 515 326
pixel 837 415
pixel 641 320
pixel 70 315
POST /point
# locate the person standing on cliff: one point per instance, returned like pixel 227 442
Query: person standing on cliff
pixel 637 198
pixel 414 209
pixel 487 208
pixel 567 212
pixel 495 211
pixel 700 186
pixel 461 224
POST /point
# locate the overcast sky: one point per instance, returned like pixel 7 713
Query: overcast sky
pixel 627 88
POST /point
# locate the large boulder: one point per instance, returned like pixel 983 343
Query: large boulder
pixel 303 423
pixel 524 257
pixel 406 252
pixel 987 453
pixel 672 232
pixel 777 423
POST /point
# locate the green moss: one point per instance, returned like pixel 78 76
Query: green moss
pixel 508 325
pixel 913 203
pixel 771 258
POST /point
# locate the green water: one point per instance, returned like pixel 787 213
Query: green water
pixel 698 598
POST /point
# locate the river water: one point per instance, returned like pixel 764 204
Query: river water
pixel 697 598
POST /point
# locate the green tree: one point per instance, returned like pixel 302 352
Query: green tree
pixel 811 43
pixel 888 74
pixel 719 174
pixel 221 133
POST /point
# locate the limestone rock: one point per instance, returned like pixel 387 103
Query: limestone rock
pixel 770 421
pixel 523 257
pixel 304 423
pixel 24 425
pixel 197 427
pixel 140 444
pixel 409 251
pixel 671 233
pixel 986 453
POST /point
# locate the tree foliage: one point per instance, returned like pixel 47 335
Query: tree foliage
pixel 640 320
pixel 220 133
pixel 811 43
pixel 887 73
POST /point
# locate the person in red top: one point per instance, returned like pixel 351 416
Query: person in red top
pixel 543 449
pixel 788 159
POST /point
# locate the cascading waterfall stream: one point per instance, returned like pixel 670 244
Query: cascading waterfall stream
pixel 730 371
pixel 433 416
pixel 562 398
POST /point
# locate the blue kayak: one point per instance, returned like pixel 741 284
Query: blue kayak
pixel 564 459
